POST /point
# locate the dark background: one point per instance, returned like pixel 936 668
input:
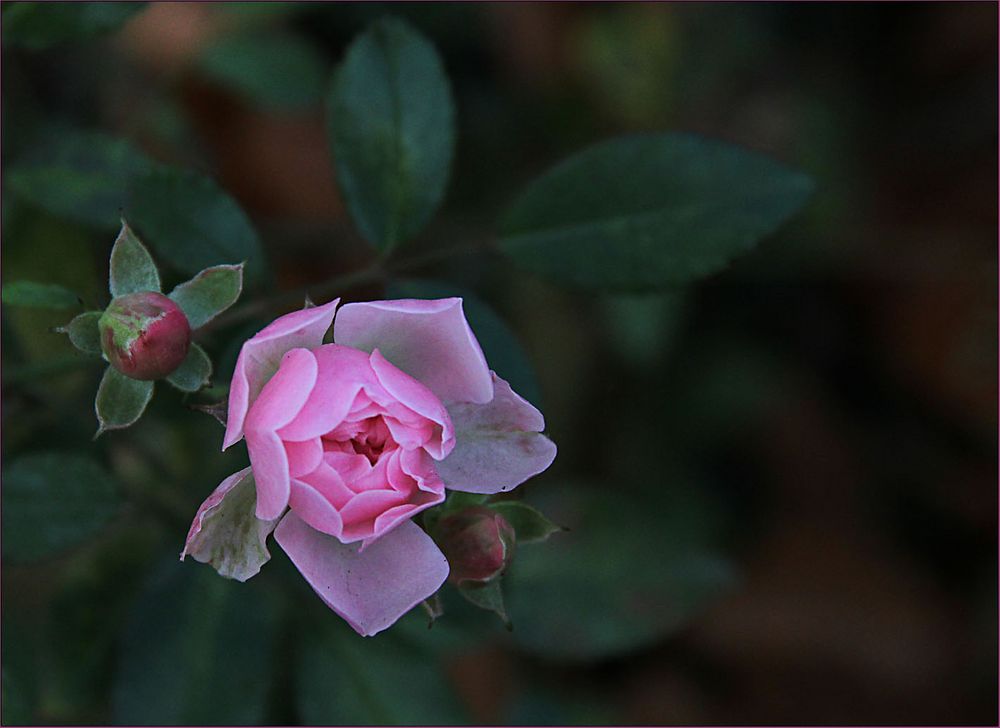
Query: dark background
pixel 781 481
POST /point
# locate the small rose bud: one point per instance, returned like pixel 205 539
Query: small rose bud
pixel 478 543
pixel 144 335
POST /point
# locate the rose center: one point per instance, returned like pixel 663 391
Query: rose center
pixel 371 441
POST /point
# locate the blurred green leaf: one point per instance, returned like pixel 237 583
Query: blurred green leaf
pixel 529 524
pixel 634 567
pixel 642 212
pixel 40 25
pixel 196 651
pixel 390 118
pixel 641 328
pixel 120 400
pixel 38 295
pixel 81 175
pixel 277 71
pixel 192 224
pixel 345 679
pixel 53 500
pixel 84 333
pixel 486 596
pixel 503 351
pixel 209 293
pixel 132 267
pixel 194 372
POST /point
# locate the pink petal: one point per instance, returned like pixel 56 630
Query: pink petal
pixel 286 393
pixel 342 372
pixel 373 588
pixel 260 356
pixel 316 510
pixel 408 391
pixel 497 445
pixel 303 457
pixel 429 340
pixel 270 470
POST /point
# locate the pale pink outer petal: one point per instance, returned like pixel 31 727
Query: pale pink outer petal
pixel 279 402
pixel 260 356
pixel 225 532
pixel 498 445
pixel 408 391
pixel 429 340
pixel 373 588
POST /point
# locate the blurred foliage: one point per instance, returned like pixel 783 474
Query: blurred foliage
pixel 780 482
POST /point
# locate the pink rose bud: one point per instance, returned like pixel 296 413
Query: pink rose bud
pixel 478 543
pixel 144 335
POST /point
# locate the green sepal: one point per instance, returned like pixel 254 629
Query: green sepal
pixel 84 333
pixel 529 524
pixel 486 596
pixel 194 372
pixel 120 400
pixel 209 293
pixel 132 267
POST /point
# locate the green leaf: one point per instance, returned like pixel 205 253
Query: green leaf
pixel 528 523
pixel 194 372
pixel 191 223
pixel 636 566
pixel 344 679
pixel 390 118
pixel 80 175
pixel 196 650
pixel 38 295
pixel 52 501
pixel 132 267
pixel 643 212
pixel 486 596
pixel 84 333
pixel 209 293
pixel 120 400
pixel 276 71
pixel 40 25
pixel 503 350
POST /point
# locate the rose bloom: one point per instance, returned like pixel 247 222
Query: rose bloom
pixel 349 441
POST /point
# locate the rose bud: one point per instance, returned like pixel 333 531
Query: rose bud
pixel 144 335
pixel 478 543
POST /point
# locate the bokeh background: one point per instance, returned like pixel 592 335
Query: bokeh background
pixel 781 481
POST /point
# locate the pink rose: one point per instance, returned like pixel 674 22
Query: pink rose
pixel 349 440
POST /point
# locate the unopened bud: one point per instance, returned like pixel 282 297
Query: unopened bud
pixel 144 335
pixel 478 543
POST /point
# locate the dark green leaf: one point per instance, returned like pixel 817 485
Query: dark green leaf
pixel 209 293
pixel 132 267
pixel 528 523
pixel 643 212
pixel 391 122
pixel 53 500
pixel 38 295
pixel 196 651
pixel 83 332
pixel 120 400
pixel 278 71
pixel 345 679
pixel 634 567
pixel 501 346
pixel 191 223
pixel 80 175
pixel 486 596
pixel 39 25
pixel 194 372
